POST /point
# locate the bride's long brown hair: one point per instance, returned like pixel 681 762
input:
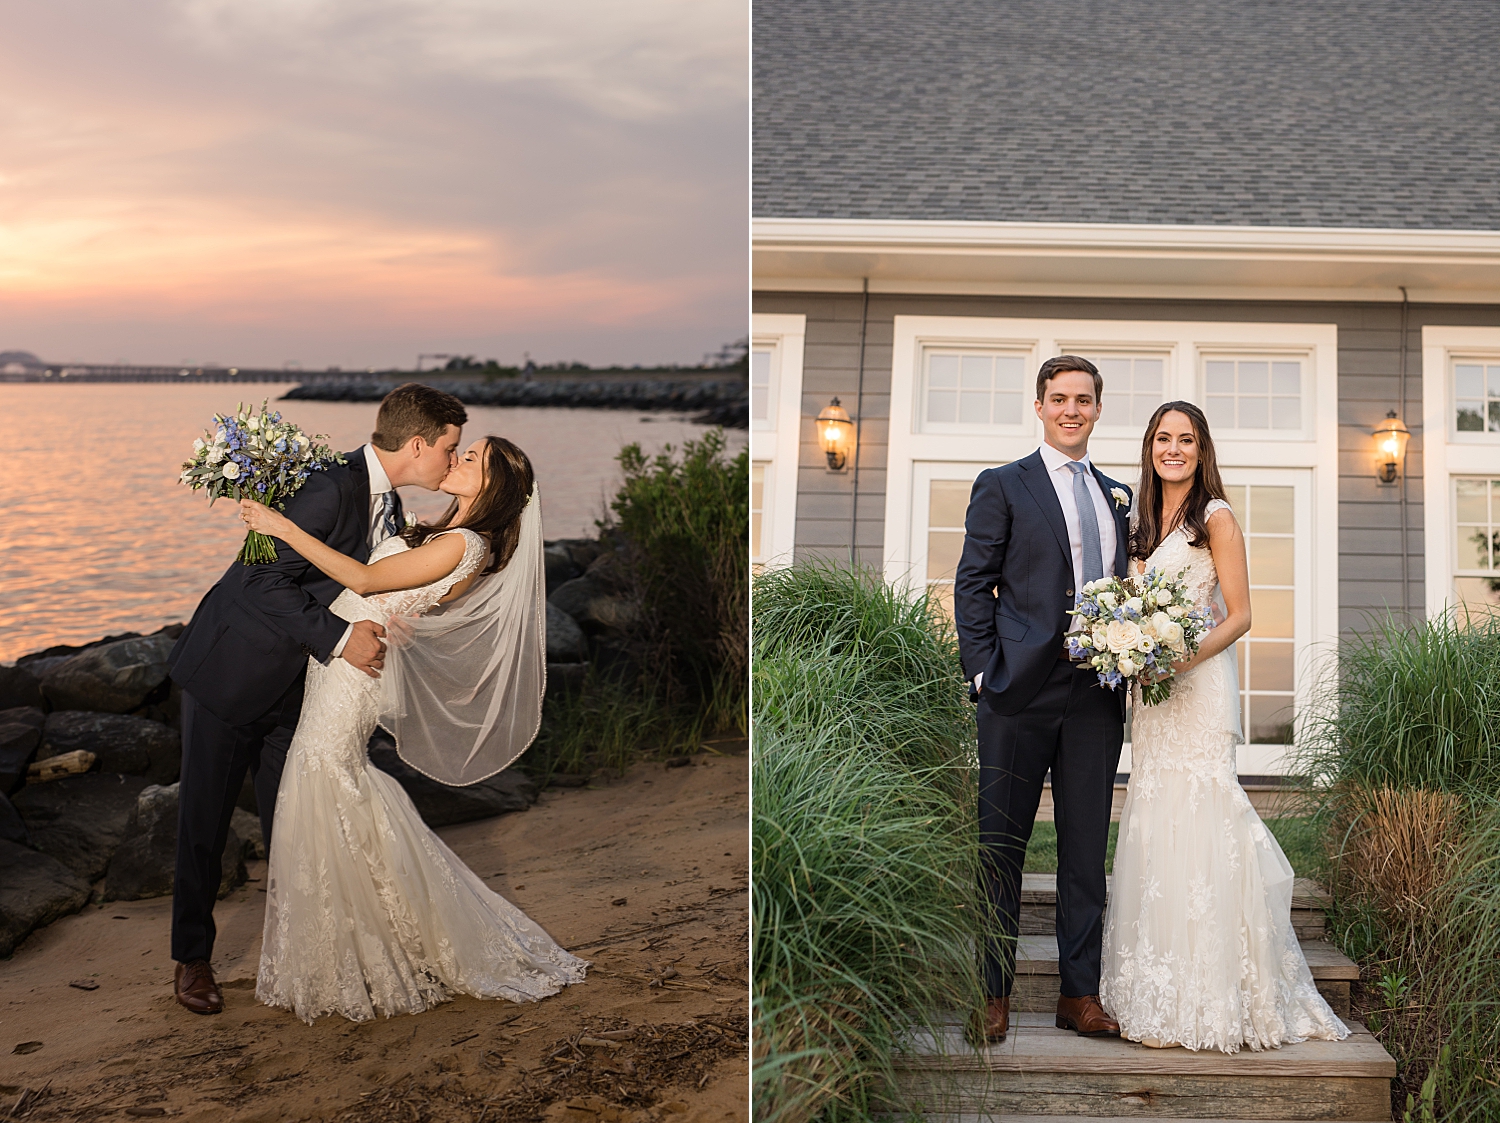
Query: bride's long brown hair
pixel 1207 485
pixel 496 512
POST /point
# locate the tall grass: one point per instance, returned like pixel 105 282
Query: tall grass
pixel 1403 747
pixel 865 898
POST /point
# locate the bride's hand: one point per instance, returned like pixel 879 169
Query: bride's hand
pixel 258 516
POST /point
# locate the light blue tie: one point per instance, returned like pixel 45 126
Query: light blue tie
pixel 1088 524
pixel 388 526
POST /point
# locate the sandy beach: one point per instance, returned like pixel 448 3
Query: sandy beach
pixel 645 876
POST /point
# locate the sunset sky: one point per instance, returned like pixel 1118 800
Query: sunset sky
pixel 351 182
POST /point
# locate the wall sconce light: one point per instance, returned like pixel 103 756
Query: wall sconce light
pixel 1390 448
pixel 835 435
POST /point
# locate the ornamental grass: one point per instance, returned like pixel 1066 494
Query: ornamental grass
pixel 866 890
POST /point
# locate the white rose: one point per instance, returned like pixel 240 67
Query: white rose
pixel 1171 635
pixel 1106 600
pixel 1100 640
pixel 253 424
pixel 231 471
pixel 1134 604
pixel 1163 596
pixel 1174 611
pixel 198 445
pixel 1127 666
pixel 216 455
pixel 1122 635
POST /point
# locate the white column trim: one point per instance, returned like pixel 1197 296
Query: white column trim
pixel 779 448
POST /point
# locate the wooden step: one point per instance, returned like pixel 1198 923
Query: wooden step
pixel 1271 801
pixel 1039 905
pixel 1040 1070
pixel 1037 988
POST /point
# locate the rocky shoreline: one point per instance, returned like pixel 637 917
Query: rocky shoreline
pixel 723 402
pixel 90 751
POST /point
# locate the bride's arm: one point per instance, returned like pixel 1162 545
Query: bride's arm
pixel 434 559
pixel 1227 545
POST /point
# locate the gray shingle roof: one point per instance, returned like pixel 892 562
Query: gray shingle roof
pixel 1243 112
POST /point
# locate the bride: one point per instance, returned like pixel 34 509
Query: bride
pixel 1198 943
pixel 367 911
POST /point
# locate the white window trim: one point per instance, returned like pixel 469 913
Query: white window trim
pixel 1184 341
pixel 1447 453
pixel 777 446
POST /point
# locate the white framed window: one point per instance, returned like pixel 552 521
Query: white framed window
pixel 1134 386
pixel 1476 395
pixel 776 346
pixel 1460 466
pixel 1260 394
pixel 969 390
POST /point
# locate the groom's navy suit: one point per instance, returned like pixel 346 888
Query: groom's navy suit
pixel 241 663
pixel 1012 591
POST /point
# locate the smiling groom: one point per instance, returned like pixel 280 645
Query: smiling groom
pixel 1036 531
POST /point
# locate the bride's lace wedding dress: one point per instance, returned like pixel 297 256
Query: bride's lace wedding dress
pixel 367 911
pixel 1198 943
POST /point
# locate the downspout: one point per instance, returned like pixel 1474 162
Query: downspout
pixel 1405 546
pixel 859 420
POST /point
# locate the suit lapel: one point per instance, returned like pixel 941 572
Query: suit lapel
pixel 1122 522
pixel 1040 486
pixel 359 472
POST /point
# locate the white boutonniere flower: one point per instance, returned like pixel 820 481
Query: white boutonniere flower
pixel 1121 499
pixel 411 519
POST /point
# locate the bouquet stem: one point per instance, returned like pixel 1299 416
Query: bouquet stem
pixel 1155 693
pixel 257 550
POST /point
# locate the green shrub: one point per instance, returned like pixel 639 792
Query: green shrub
pixel 866 892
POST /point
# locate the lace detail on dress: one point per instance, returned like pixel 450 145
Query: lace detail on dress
pixel 1198 940
pixel 367 910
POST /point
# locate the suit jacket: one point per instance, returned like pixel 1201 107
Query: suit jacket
pixel 1014 584
pixel 249 638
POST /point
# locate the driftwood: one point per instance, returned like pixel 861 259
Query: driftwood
pixel 74 763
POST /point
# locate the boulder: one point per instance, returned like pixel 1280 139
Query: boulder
pixel 19 741
pixel 24 715
pixel 247 826
pixel 19 687
pixel 121 742
pixel 112 678
pixel 34 890
pixel 593 605
pixel 559 564
pixel 146 859
pixel 440 805
pixel 80 820
pixel 565 642
pixel 12 826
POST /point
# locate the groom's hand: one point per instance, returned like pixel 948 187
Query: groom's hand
pixel 365 649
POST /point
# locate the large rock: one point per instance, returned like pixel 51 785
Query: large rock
pixel 247 826
pixel 19 687
pixel 593 605
pixel 80 820
pixel 113 678
pixel 440 805
pixel 565 642
pixel 20 737
pixel 34 890
pixel 120 742
pixel 12 826
pixel 559 564
pixel 566 679
pixel 146 859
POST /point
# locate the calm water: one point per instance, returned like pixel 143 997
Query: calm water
pixel 97 536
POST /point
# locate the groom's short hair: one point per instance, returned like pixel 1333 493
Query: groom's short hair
pixel 414 410
pixel 1062 363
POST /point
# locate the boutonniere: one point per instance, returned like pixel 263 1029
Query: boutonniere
pixel 1121 498
pixel 411 520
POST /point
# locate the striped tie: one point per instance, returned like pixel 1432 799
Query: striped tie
pixel 387 526
pixel 1088 524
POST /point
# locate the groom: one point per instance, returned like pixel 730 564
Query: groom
pixel 243 657
pixel 1036 532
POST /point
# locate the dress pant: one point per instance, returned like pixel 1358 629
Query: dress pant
pixel 1074 728
pixel 215 756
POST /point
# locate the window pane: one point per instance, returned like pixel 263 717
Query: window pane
pixel 942 405
pixel 1495 417
pixel 1271 561
pixel 760 368
pixel 1470 417
pixel 1271 510
pixel 1271 666
pixel 1478 594
pixel 1473 548
pixel 1220 413
pixel 942 370
pixel 1472 505
pixel 755 534
pixel 1255 378
pixel 1286 378
pixel 976 372
pixel 1010 373
pixel 1254 413
pixel 1270 719
pixel 760 402
pixel 947 500
pixel 942 599
pixel 1218 378
pixel 1494 380
pixel 1007 409
pixel 1236 495
pixel 1148 376
pixel 757 487
pixel 1144 406
pixel 760 385
pixel 974 405
pixel 1271 612
pixel 943 550
pixel 1116 375
pixel 1286 413
pixel 1468 381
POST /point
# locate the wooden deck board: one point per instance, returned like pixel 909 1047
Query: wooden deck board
pixel 1036 954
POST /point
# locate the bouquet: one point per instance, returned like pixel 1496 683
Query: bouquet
pixel 1135 628
pixel 250 455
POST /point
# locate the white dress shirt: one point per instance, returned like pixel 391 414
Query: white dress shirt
pixel 380 483
pixel 1061 476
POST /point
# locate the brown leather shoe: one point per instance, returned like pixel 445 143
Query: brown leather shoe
pixel 991 1024
pixel 1085 1017
pixel 195 987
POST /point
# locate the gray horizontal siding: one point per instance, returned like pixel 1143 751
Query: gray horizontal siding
pixel 1371 575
